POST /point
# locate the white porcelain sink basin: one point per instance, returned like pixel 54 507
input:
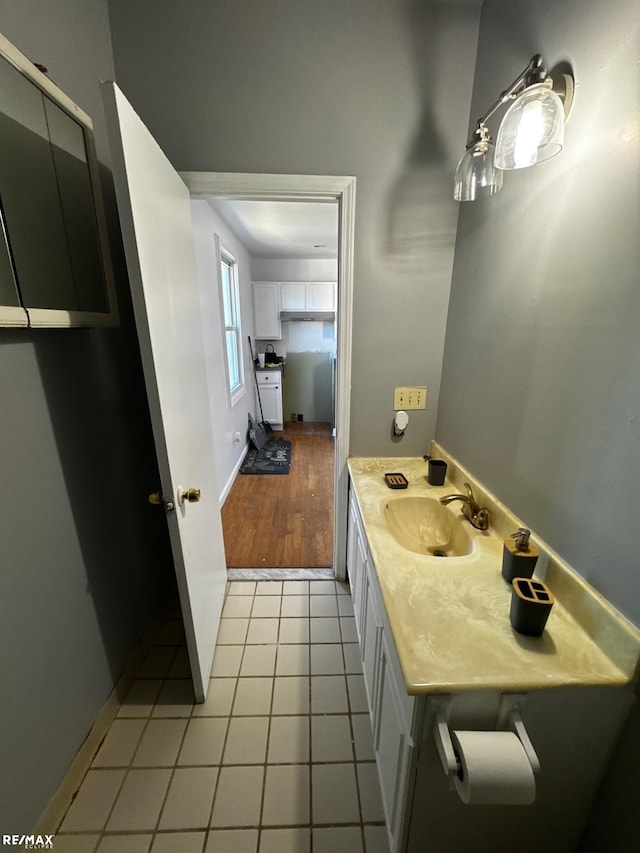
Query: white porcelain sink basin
pixel 423 525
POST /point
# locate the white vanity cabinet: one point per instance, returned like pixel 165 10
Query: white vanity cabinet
pixel 270 387
pixel 266 310
pixel 393 713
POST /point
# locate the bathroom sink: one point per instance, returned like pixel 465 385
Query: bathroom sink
pixel 424 526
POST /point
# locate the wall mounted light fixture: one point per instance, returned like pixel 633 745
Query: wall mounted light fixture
pixel 531 131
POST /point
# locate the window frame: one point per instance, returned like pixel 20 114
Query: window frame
pixel 224 256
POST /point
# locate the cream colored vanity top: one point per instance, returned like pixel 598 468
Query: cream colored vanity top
pixel 450 616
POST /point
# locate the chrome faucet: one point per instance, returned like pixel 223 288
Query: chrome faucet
pixel 477 515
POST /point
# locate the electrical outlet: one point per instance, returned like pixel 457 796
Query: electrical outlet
pixel 414 397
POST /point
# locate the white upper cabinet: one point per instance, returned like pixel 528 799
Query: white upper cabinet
pixel 308 296
pixel 266 310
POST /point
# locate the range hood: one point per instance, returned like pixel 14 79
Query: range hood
pixel 323 316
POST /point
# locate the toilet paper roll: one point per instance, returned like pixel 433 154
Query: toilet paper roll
pixel 494 769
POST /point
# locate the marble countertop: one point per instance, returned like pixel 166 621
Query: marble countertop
pixel 450 616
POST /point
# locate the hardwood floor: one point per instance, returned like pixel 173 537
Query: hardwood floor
pixel 285 521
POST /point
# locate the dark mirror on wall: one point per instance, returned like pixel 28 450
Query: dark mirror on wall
pixel 52 257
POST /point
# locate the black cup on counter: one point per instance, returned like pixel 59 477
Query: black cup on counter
pixel 531 603
pixel 437 472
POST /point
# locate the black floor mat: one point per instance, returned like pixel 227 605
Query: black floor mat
pixel 274 458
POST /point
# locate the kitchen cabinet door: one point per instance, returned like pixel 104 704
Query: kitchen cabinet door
pixel 266 310
pixel 271 398
pixel 293 296
pixel 321 296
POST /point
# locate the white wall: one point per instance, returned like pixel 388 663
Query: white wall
pixel 226 420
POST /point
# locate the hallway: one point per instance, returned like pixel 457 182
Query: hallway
pixel 285 521
pixel 278 760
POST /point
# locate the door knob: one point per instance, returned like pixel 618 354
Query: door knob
pixel 191 496
pixel 158 499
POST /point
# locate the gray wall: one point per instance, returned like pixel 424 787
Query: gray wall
pixel 378 89
pixel 540 392
pixel 84 560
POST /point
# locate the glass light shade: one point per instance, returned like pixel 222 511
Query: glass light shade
pixel 532 129
pixel 476 175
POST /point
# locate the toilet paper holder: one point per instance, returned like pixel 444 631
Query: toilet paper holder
pixel 508 719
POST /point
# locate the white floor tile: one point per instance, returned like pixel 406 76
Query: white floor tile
pixel 331 738
pixel 357 694
pixel 253 697
pixel 293 660
pixel 369 786
pixel 125 844
pixel 160 743
pixel 203 741
pixel 90 809
pixel 291 695
pixel 323 605
pixel 348 629
pixel 76 843
pixel 176 699
pixel 294 630
pixel 288 740
pixel 328 695
pixel 286 795
pixel 294 840
pixel 269 588
pixel 375 839
pixel 266 607
pixel 246 740
pixel 335 798
pixel 324 629
pixel 237 801
pixel 242 588
pixel 237 606
pixel 263 631
pixel 322 587
pixel 180 666
pixel 140 698
pixel 294 606
pixel 219 698
pixel 345 605
pixel 120 744
pixel 258 661
pixel 157 662
pixel 188 803
pixel 138 805
pixel 232 632
pixel 362 737
pixel 226 661
pixel 326 659
pixel 232 841
pixel 337 839
pixel 178 842
pixel 295 588
pixel 352 659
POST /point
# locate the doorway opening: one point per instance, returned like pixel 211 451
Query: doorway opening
pixel 296 521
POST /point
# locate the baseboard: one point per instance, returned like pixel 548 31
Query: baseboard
pixel 233 475
pixel 67 789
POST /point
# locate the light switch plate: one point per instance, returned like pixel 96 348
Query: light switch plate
pixel 414 397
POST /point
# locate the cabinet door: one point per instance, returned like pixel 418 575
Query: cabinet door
pixel 293 296
pixel 266 310
pixel 392 747
pixel 371 638
pixel 321 296
pixel 271 398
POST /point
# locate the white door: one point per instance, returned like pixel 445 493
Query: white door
pixel 155 215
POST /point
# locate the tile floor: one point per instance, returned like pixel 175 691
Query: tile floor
pixel 277 760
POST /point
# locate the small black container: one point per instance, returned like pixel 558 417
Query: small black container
pixel 531 603
pixel 437 472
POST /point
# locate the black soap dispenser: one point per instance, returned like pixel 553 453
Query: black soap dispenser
pixel 518 555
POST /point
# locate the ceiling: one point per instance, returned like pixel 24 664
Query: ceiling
pixel 282 229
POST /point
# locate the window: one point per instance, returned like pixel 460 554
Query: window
pixel 231 320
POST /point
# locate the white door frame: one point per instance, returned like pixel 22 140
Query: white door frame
pixel 311 188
